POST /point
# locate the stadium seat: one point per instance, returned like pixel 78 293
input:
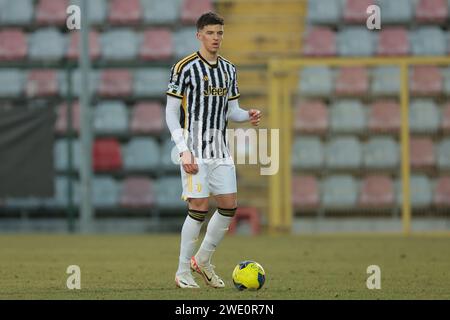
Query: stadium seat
pixel 115 83
pixel 347 116
pixel 305 192
pixel 119 44
pixel 311 117
pixel 446 119
pixel 169 156
pixel 377 192
pixel 422 153
pixel 432 11
pixel 61 125
pixel 17 12
pixel 97 10
pixel 137 192
pixel 142 154
pixel 106 192
pixel 428 41
pixel 11 83
pixel 384 117
pixel 51 12
pixel 76 82
pixel 339 192
pixel 324 11
pixel 150 82
pixel 381 153
pixel 320 42
pixel 161 12
pixel 13 45
pixel 308 153
pixel 157 44
pixel 424 116
pixel 420 191
pixel 343 153
pixel 396 12
pixel 316 81
pixel 23 203
pixel 42 83
pixel 107 155
pixel 444 154
pixel 73 52
pixel 356 41
pixel 47 44
pixel 192 9
pixel 386 81
pixel 61 156
pixel 426 81
pixel 352 81
pixel 393 41
pixel 446 78
pixel 147 117
pixel 185 42
pixel 110 117
pixel 124 12
pixel 441 196
pixel 355 10
pixel 168 194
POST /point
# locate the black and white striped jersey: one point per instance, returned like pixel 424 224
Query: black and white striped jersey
pixel 205 90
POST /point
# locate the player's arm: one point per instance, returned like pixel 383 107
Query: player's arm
pixel 172 120
pixel 238 114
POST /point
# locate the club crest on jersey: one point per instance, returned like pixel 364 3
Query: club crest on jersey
pixel 205 78
pixel 215 91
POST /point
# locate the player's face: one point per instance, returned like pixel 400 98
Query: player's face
pixel 211 37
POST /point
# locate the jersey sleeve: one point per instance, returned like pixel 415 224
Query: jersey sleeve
pixel 177 83
pixel 234 90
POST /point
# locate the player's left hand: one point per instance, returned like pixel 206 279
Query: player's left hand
pixel 255 116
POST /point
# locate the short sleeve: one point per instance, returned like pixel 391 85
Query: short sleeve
pixel 234 90
pixel 177 83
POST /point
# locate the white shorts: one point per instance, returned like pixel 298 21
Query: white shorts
pixel 214 177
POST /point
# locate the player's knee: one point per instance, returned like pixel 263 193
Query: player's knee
pixel 198 204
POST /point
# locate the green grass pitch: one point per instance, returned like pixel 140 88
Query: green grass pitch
pixel 297 267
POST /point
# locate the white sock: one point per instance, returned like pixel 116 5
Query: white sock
pixel 217 227
pixel 189 236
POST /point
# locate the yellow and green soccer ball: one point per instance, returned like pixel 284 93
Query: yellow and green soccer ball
pixel 248 275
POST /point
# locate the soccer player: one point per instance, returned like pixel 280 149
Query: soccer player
pixel 202 96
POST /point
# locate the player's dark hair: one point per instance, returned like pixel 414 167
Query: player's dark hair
pixel 209 18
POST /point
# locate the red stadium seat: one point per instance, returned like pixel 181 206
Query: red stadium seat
pixel 137 192
pixel 51 12
pixel 311 117
pixel 246 213
pixel 446 119
pixel 320 41
pixel 61 121
pixel 74 46
pixel 115 83
pixel 305 192
pixel 384 117
pixel 42 83
pixel 442 192
pixel 377 192
pixel 157 44
pixel 393 41
pixel 107 155
pixel 352 81
pixel 422 153
pixel 426 81
pixel 147 117
pixel 125 12
pixel 192 9
pixel 432 11
pixel 13 45
pixel 355 10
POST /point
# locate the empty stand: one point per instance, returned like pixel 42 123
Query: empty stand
pixel 160 12
pixel 355 10
pixel 42 83
pixel 446 119
pixel 192 9
pixel 185 42
pixel 320 42
pixel 444 154
pixel 377 192
pixel 119 44
pixel 73 51
pixel 393 41
pixel 385 81
pixel 424 116
pixel 107 155
pixel 61 155
pixel 141 154
pixel 428 41
pixel 384 117
pixel 324 12
pixel 105 192
pixel 168 194
pixel 426 81
pixel 150 82
pixel 308 153
pixel 352 81
pixel 157 44
pixel 432 11
pixel 422 154
pixel 115 83
pixel 111 117
pixel 124 12
pixel 97 10
pixel 51 12
pixel 61 125
pixel 356 41
pixel 147 117
pixel 343 153
pixel 347 116
pixel 441 197
pixel 76 82
pixel 396 12
pixel 381 153
pixel 305 192
pixel 339 192
pixel 47 44
pixel 11 83
pixel 13 45
pixel 316 81
pixel 420 191
pixel 446 78
pixel 311 117
pixel 137 192
pixel 170 156
pixel 17 12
